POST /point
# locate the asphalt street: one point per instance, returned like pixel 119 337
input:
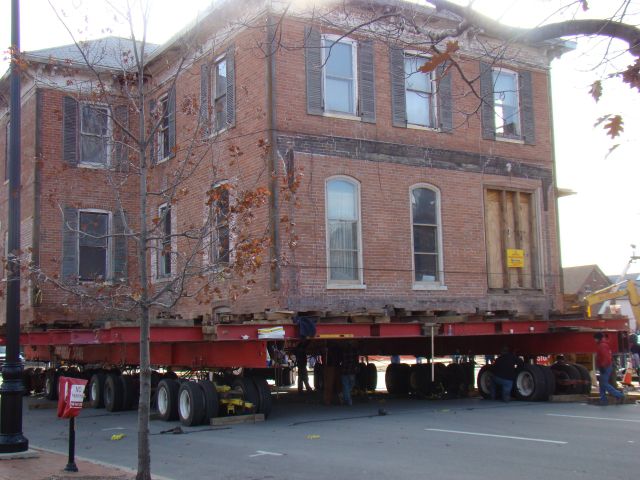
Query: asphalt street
pixel 453 439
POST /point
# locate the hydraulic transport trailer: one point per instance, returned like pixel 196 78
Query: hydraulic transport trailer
pixel 206 371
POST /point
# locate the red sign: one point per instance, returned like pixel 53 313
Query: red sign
pixel 70 396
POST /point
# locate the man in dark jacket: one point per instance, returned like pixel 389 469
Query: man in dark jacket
pixel 504 373
pixel 604 364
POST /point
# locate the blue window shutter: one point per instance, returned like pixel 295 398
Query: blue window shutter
pixel 153 148
pixel 313 67
pixel 398 96
pixel 70 130
pixel 366 83
pixel 70 245
pixel 527 115
pixel 121 150
pixel 445 99
pixel 119 248
pixel 487 113
pixel 205 94
pixel 231 86
pixel 171 110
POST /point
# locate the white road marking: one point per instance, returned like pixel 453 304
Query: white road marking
pixel 114 428
pixel 497 436
pixel 594 418
pixel 260 453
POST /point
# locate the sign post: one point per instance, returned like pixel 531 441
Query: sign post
pixel 70 398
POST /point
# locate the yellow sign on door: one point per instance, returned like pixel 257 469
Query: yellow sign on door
pixel 515 258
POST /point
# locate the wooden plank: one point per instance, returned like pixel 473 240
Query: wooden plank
pixel 503 240
pixel 492 241
pixel 536 281
pixel 237 419
pixel 517 218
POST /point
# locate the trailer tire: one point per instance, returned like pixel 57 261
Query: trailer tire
pixel 167 399
pixel 396 378
pixel 550 378
pixel 318 377
pixel 96 390
pixel 585 377
pixel 130 392
pixel 211 400
pixel 530 384
pixel 454 380
pixel 248 389
pixel 38 379
pixel 113 393
pixel 372 376
pixel 361 377
pixel 51 384
pixel 484 381
pixel 565 372
pixel 191 405
pixel 265 403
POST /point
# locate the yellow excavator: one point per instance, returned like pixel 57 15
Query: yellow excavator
pixel 617 290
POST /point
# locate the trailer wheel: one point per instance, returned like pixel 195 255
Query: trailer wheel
pixel 484 381
pixel 39 380
pixel 530 384
pixel 191 406
pixel 211 400
pixel 113 393
pixel 51 384
pixel 566 375
pixel 130 392
pixel 372 376
pixel 361 377
pixel 454 380
pixel 396 378
pixel 264 394
pixel 585 377
pixel 248 389
pixel 318 377
pixel 27 380
pixel 167 399
pixel 550 378
pixel 96 390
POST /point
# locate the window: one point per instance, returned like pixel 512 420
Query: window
pixel 219 94
pixel 164 146
pixel 220 224
pixel 419 93
pixel 164 258
pixel 93 245
pixel 425 213
pixel 506 103
pixel 343 231
pixel 339 74
pixel 94 134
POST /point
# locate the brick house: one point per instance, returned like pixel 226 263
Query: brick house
pixel 410 193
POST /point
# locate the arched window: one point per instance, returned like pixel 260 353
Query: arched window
pixel 343 231
pixel 425 219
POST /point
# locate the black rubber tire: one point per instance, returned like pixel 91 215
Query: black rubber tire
pixel 113 393
pixel 454 380
pixel 396 378
pixel 191 407
pixel 265 403
pixel 318 377
pixel 585 377
pixel 95 390
pixel 211 400
pixel 550 378
pixel 248 389
pixel 484 380
pixel 167 399
pixel 361 377
pixel 38 380
pixel 530 384
pixel 27 380
pixel 130 392
pixel 372 376
pixel 566 372
pixel 51 384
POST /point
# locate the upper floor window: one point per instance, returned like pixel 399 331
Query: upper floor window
pixel 425 213
pixel 93 245
pixel 220 245
pixel 219 94
pixel 94 134
pixel 166 127
pixel 420 93
pixel 506 103
pixel 339 72
pixel 343 231
pixel 165 257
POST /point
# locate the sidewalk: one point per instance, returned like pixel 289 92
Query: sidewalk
pixel 48 465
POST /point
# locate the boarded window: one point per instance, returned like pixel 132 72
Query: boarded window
pixel 511 236
pixel 93 245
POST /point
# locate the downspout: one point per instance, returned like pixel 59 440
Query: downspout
pixel 37 194
pixel 274 278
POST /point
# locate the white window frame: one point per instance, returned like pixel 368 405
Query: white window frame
pixel 326 51
pixel 434 95
pixel 213 239
pixel 108 136
pixel 109 255
pixel 428 285
pixel 163 105
pixel 518 116
pixel 357 283
pixel 214 77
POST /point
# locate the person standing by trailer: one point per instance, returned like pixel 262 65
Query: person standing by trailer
pixel 604 364
pixel 348 370
pixel 301 362
pixel 504 373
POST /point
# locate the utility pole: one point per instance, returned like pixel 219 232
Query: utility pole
pixel 11 438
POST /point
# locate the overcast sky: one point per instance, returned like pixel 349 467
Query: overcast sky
pixel 598 224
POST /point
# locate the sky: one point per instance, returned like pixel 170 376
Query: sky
pixel 597 224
